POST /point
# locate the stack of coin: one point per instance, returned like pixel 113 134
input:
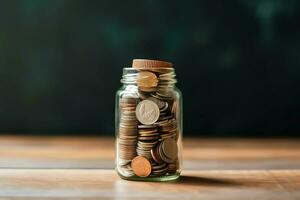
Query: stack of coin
pixel 165 86
pixel 127 140
pixel 172 167
pixel 148 129
pixel 148 138
pixel 159 169
pixel 169 129
pixel 125 170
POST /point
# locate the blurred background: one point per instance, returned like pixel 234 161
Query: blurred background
pixel 237 63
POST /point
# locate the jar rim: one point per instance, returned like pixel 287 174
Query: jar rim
pixel 165 75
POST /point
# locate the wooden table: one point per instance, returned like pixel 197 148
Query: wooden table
pixel 82 168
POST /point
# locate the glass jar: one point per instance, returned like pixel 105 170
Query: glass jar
pixel 149 123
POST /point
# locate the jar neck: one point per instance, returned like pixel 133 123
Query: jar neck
pixel 166 77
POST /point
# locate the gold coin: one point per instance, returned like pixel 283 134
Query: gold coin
pixel 141 166
pixel 147 112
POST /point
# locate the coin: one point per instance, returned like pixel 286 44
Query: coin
pixel 173 167
pixel 168 126
pixel 122 162
pixel 162 70
pixel 147 112
pixel 141 166
pixel 155 155
pixel 147 139
pixel 127 130
pixel 147 89
pixel 166 117
pixel 160 172
pixel 161 104
pixel 170 149
pixel 125 170
pixel 143 94
pixel 150 64
pixel 165 93
pixel 147 131
pixel 150 126
pixel 146 79
pixel 157 95
pixel 156 166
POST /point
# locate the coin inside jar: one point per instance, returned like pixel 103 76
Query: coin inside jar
pixel 147 112
pixel 160 104
pixel 169 148
pixel 146 79
pixel 141 166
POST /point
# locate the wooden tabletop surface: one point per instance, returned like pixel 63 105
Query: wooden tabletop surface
pixel 82 168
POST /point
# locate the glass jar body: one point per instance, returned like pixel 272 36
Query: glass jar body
pixel 148 125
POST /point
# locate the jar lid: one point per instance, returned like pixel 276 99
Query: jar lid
pixel 150 64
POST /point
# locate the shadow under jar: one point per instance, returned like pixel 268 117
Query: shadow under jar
pixel 149 122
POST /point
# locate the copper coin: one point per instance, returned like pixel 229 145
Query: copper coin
pixel 170 149
pixel 155 155
pixel 150 64
pixel 147 89
pixel 146 79
pixel 141 166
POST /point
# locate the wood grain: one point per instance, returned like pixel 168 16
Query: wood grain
pixel 104 184
pixel 98 152
pixel 81 168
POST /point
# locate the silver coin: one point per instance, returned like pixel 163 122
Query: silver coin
pixel 147 112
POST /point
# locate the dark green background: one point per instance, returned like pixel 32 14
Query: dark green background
pixel 238 63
